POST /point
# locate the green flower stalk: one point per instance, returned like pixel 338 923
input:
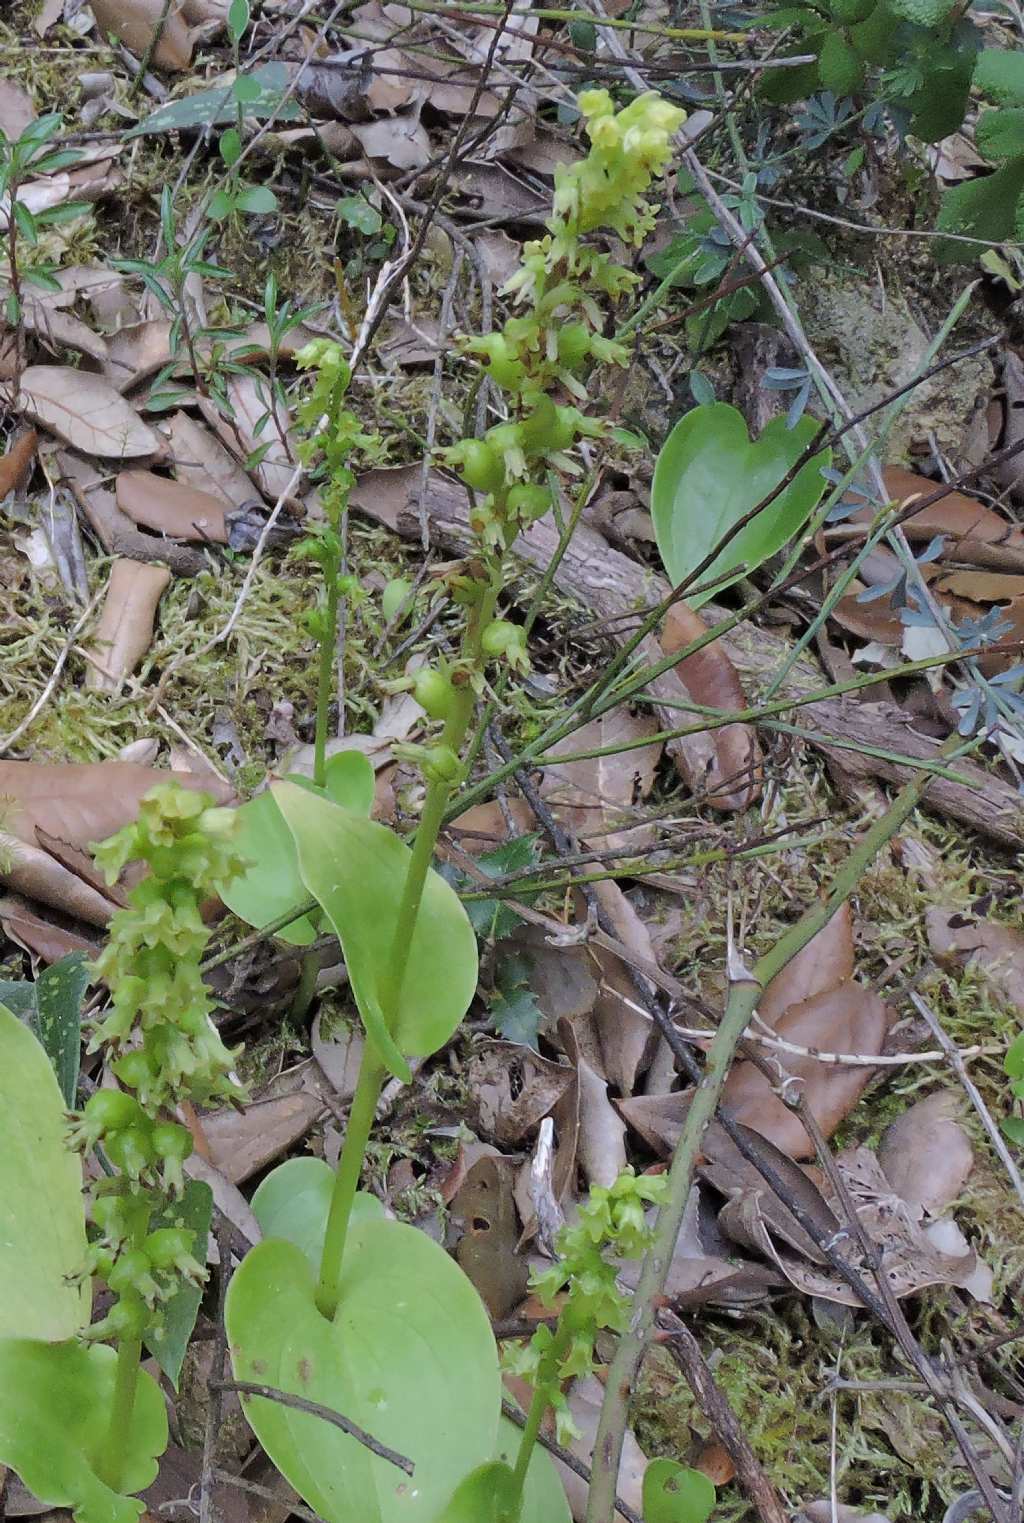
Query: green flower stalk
pixel 164 1049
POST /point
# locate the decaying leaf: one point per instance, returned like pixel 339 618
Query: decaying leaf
pixel 483 1209
pixel 242 1142
pixel 16 109
pixel 400 141
pixel 41 936
pixel 513 1088
pixel 996 951
pixel 848 1019
pixel 199 460
pixel 135 22
pixel 137 352
pixel 169 507
pixel 256 430
pixel 976 534
pixel 733 778
pixel 625 1033
pixel 339 1055
pixel 596 799
pixel 825 961
pixel 601 1145
pixel 125 630
pixel 16 465
pixel 926 1155
pixel 86 412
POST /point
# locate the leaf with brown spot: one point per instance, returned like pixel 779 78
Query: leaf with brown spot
pixel 86 412
pixel 733 770
pixel 849 1019
pixel 168 507
pixel 199 460
pixel 996 951
pixel 138 22
pixel 926 1155
pixel 16 465
pixel 595 800
pixel 483 1210
pixel 125 630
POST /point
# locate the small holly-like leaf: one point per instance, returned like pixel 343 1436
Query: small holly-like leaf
pixel 273 884
pixel 673 1494
pixel 194 1211
pixel 55 1401
pixel 489 917
pixel 710 475
pixel 293 1202
pixel 42 1220
pixel 358 213
pixel 357 869
pixel 514 1010
pixel 409 1356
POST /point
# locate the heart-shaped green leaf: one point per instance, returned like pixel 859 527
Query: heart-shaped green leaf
pixel 272 884
pixel 544 1499
pixel 486 1495
pixel 357 870
pixel 409 1356
pixel 710 474
pixel 294 1200
pixel 673 1494
pixel 170 1341
pixel 42 1220
pixel 55 1401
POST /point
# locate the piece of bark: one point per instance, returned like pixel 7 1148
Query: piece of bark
pixel 114 529
pixel 125 631
pixel 610 585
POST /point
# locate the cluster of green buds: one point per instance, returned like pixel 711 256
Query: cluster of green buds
pixel 550 348
pixel 612 1218
pixel 330 436
pixel 162 1047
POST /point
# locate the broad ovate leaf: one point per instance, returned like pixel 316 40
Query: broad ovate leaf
pixel 273 883
pixel 409 1357
pixel 356 869
pixel 294 1200
pixel 42 1220
pixel 86 412
pixel 674 1494
pixel 55 1401
pixel 710 474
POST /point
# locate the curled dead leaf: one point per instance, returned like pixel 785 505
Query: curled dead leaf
pixel 595 799
pixel 136 23
pixel 601 1146
pixel 733 776
pixel 260 427
pixel 849 1019
pixel 125 630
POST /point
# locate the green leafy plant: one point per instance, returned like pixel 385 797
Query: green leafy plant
pixel 1013 1065
pixel 710 475
pixel 992 206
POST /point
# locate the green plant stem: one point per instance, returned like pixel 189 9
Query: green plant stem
pixel 325 679
pixel 743 997
pixel 371 1068
pixel 126 1379
pixel 539 1403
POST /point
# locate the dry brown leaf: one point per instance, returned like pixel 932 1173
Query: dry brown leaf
pixel 733 779
pixel 500 256
pixel 137 352
pixel 926 1155
pixel 16 109
pixel 33 872
pixel 868 621
pixel 339 1055
pixel 405 342
pixel 125 630
pixel 980 586
pixel 543 154
pixel 825 961
pixel 848 1019
pixel 513 1088
pixel 168 507
pixel 199 460
pixel 996 951
pixel 16 465
pixel 39 936
pixel 596 799
pixel 601 1147
pixel 626 1034
pixel 253 430
pixel 976 533
pixel 483 1209
pixel 227 1198
pixel 658 1119
pixel 136 22
pixel 400 141
pixel 243 1142
pixel 86 412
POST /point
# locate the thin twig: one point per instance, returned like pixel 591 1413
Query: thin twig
pixel 577 1466
pixel 315 1409
pixel 216 1399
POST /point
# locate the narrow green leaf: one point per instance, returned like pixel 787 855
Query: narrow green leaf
pixel 42 1220
pixel 356 869
pixel 57 1021
pixel 55 1403
pixel 261 92
pixel 230 146
pixel 194 1211
pixel 673 1494
pixel 710 475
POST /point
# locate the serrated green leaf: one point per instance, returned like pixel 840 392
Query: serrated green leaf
pixel 674 1494
pixel 293 1202
pixel 710 474
pixel 55 1401
pixel 1000 134
pixel 922 12
pixel 409 1356
pixel 984 208
pixel 42 1220
pixel 273 883
pixel 195 1212
pixel 216 106
pixel 999 74
pixel 489 917
pixel 356 869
